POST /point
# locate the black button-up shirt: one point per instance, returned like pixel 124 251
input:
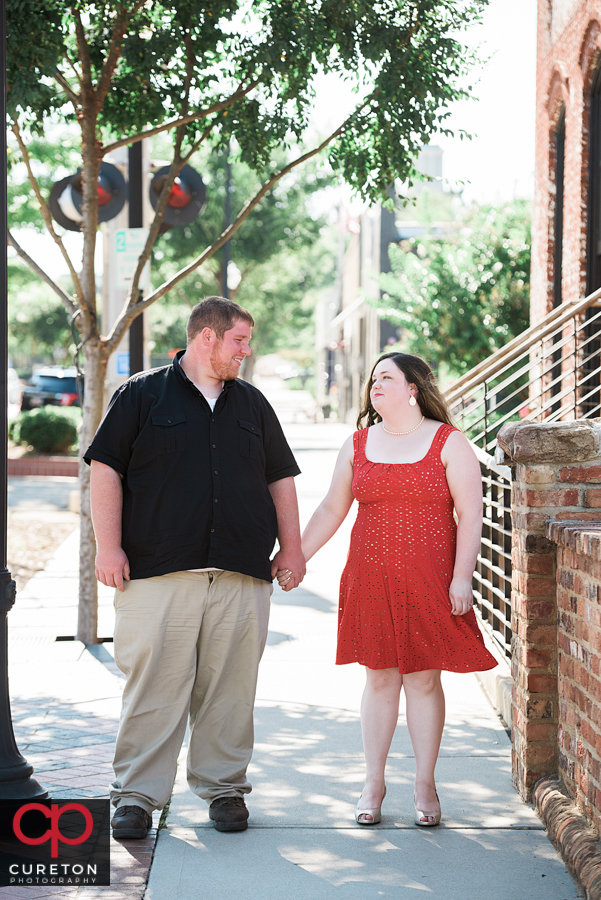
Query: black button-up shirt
pixel 195 481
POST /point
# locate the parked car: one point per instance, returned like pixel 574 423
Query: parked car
pixel 51 386
pixel 14 387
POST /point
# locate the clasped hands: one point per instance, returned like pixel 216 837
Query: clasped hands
pixel 289 568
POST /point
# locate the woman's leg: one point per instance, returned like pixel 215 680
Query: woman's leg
pixel 379 715
pixel 425 720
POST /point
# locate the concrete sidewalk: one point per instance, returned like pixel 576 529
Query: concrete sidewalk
pixel 307 769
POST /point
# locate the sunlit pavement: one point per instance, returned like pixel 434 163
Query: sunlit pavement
pixel 307 769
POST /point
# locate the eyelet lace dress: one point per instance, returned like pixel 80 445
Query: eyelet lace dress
pixel 394 609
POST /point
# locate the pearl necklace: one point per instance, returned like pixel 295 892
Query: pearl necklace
pixel 398 433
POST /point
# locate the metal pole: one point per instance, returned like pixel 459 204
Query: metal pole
pixel 228 220
pixel 16 783
pixel 136 220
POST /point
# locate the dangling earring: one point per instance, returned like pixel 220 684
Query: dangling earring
pixel 412 401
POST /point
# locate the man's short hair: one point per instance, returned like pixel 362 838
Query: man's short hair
pixel 216 313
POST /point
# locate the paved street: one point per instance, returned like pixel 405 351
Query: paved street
pixel 307 770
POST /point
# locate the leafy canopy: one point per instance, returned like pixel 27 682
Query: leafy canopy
pixel 460 296
pixel 174 58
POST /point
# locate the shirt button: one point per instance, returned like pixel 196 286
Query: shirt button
pixel 212 530
pixel 168 421
pixel 216 501
pixel 216 472
pixel 213 446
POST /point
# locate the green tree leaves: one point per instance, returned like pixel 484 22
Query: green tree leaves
pixel 460 296
pixel 161 60
pixel 35 48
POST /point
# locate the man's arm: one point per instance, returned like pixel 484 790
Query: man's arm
pixel 289 556
pixel 106 497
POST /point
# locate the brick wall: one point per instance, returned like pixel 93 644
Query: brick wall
pixel 557 478
pixel 538 495
pixel 44 465
pixel 568 51
pixel 579 661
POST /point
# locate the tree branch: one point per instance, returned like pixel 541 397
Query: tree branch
pixel 200 141
pixel 45 210
pixel 176 166
pixel 75 72
pixel 83 51
pixel 189 71
pixel 73 97
pixel 67 300
pixel 184 120
pixel 129 313
pixel 114 53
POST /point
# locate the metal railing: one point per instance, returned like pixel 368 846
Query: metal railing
pixel 551 372
pixel 492 578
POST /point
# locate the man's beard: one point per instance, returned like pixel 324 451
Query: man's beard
pixel 223 370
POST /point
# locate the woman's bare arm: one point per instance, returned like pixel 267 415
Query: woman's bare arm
pixel 465 484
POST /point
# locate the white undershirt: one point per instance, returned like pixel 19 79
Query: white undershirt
pixel 211 401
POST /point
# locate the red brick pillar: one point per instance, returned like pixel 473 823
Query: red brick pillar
pixel 541 454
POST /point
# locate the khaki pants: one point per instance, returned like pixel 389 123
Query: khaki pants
pixel 189 643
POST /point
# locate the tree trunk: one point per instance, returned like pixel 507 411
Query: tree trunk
pixel 249 368
pixel 93 407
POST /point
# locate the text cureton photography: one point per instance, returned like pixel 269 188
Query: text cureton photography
pixel 54 842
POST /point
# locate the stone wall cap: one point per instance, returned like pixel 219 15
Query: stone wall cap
pixel 552 442
pixel 583 537
pixel 571 833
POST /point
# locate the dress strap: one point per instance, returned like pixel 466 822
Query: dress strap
pixel 440 438
pixel 359 439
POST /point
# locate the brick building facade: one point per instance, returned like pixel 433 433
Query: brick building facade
pixel 566 264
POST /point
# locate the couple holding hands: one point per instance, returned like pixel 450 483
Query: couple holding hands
pixel 192 480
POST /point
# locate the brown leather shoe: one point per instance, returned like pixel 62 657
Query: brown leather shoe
pixel 229 814
pixel 131 823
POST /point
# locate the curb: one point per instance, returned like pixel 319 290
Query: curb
pixel 570 833
pixel 44 465
pixel 497 683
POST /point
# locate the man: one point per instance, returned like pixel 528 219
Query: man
pixel 191 482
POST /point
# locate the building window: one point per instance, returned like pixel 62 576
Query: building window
pixel 594 187
pixel 589 391
pixel 560 145
pixel 559 142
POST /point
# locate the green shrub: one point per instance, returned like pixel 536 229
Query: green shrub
pixel 49 429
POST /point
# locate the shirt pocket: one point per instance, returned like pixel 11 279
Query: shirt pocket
pixel 250 440
pixel 169 433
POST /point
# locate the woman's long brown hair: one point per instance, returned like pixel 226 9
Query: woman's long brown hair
pixel 417 371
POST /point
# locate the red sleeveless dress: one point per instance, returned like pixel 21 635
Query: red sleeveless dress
pixel 394 607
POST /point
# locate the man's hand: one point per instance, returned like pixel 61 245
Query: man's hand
pixel 289 560
pixel 290 568
pixel 112 568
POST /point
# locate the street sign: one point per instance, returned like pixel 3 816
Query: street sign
pixel 122 363
pixel 129 243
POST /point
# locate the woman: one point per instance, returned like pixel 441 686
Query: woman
pixel 405 595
